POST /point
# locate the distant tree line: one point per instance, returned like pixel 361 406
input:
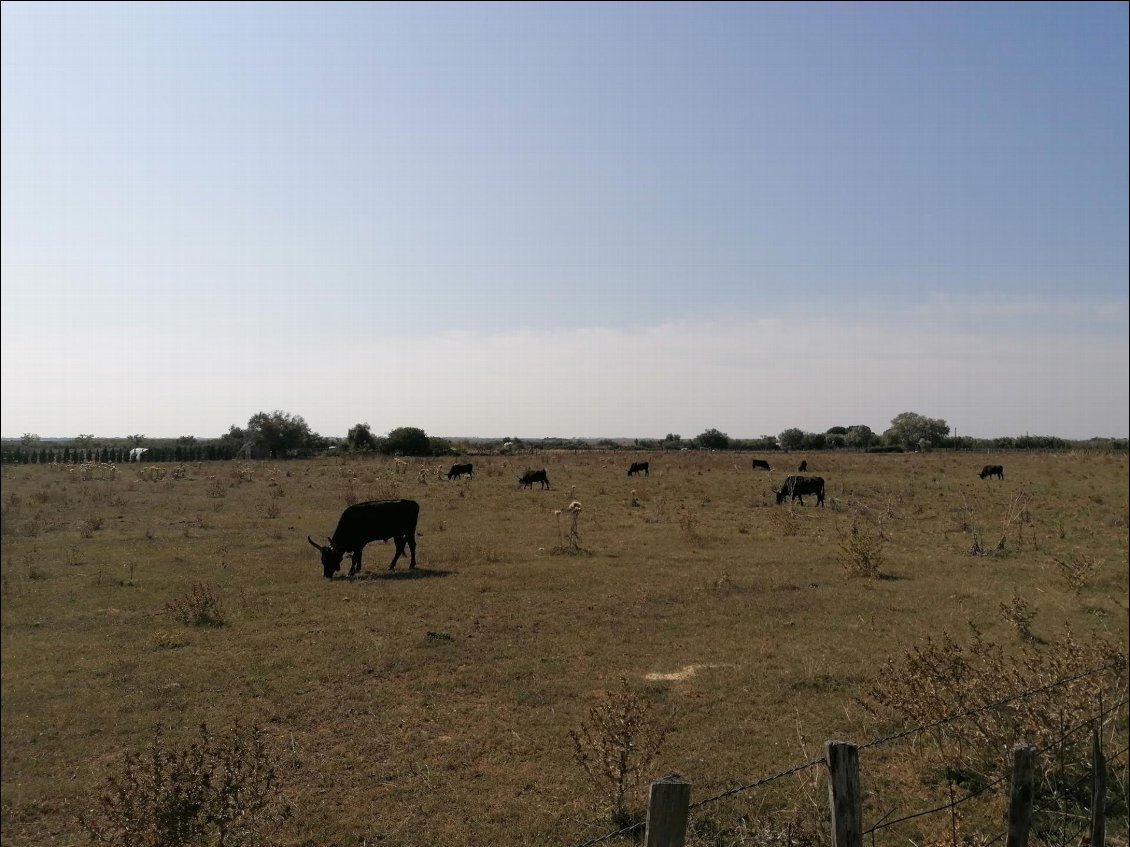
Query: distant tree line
pixel 282 435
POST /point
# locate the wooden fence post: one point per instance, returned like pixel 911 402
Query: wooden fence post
pixel 844 797
pixel 1098 791
pixel 1021 795
pixel 668 803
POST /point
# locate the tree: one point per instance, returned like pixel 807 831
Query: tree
pixel 910 429
pixel 441 446
pixel 859 437
pixel 791 439
pixel 187 440
pixel 815 441
pixel 135 439
pixel 360 437
pixel 280 432
pixel 712 439
pixel 408 441
pixel 671 442
pixel 235 435
pixel 29 438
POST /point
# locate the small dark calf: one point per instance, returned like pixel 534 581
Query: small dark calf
pixel 639 467
pixel 992 470
pixel 761 463
pixel 803 466
pixel 458 471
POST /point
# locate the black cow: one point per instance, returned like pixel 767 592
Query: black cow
pixel 528 479
pixel 803 466
pixel 797 486
pixel 376 520
pixel 761 463
pixel 458 471
pixel 993 470
pixel 639 467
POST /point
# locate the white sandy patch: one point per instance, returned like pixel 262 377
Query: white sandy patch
pixel 678 676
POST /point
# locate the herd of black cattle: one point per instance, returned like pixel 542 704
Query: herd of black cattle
pixel 380 520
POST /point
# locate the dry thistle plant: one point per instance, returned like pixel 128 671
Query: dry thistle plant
pixel 570 539
pixel 785 522
pixel 1019 614
pixel 220 790
pixel 1016 515
pixel 941 678
pixel 1077 570
pixel 688 522
pixel 200 607
pixel 861 552
pixel 618 743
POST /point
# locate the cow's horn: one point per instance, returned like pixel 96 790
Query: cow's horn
pixel 315 543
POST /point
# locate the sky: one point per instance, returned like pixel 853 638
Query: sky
pixel 573 220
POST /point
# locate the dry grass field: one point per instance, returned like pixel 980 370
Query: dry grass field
pixel 435 707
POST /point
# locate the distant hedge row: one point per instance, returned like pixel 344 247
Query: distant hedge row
pixel 116 455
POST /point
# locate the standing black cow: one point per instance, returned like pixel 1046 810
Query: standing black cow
pixel 761 463
pixel 458 471
pixel 993 470
pixel 376 520
pixel 797 486
pixel 528 479
pixel 803 466
pixel 639 467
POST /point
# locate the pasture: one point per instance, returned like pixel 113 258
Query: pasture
pixel 434 707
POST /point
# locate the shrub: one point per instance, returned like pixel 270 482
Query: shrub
pixel 200 607
pixel 220 790
pixel 942 678
pixel 861 552
pixel 618 743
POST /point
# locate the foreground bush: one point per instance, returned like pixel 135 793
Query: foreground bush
pixel 220 790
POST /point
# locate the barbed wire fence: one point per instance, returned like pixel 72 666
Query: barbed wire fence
pixel 1055 794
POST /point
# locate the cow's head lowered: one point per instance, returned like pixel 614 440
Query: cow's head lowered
pixel 331 557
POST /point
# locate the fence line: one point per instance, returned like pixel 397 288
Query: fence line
pixel 953 804
pixel 676 839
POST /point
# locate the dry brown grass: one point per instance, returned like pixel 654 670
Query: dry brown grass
pixel 434 707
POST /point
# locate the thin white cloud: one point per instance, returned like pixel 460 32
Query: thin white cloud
pixel 745 377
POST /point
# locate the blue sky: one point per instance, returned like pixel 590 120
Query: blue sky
pixel 573 220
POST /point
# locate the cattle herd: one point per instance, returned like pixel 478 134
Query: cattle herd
pixel 380 520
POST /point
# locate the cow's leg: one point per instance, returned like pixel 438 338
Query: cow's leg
pixel 399 541
pixel 355 568
pixel 412 547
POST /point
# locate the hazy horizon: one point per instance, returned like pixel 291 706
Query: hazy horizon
pixel 580 220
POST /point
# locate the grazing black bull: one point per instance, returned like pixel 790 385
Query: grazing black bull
pixel 993 470
pixel 761 463
pixel 528 479
pixel 458 471
pixel 376 520
pixel 638 468
pixel 797 486
pixel 803 466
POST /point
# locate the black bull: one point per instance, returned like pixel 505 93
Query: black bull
pixel 992 470
pixel 458 471
pixel 376 520
pixel 640 467
pixel 528 479
pixel 797 486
